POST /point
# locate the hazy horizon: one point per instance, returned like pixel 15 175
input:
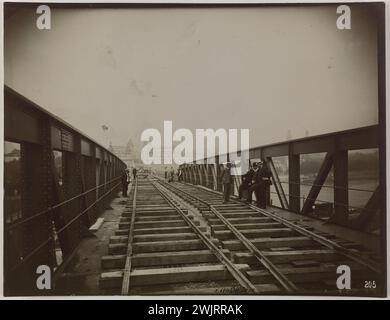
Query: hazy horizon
pixel 278 71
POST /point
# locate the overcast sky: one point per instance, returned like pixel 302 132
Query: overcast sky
pixel 267 69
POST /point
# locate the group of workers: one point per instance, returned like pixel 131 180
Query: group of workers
pixel 170 175
pixel 257 180
pixel 126 180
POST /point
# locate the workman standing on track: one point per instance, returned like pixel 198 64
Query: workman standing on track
pixel 254 184
pixel 265 175
pixel 261 180
pixel 125 182
pixel 227 180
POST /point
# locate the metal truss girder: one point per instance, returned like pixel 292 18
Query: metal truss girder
pixel 318 183
pixel 277 184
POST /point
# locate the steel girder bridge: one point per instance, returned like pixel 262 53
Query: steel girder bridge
pixel 56 199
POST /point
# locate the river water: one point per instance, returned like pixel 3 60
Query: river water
pixel 356 198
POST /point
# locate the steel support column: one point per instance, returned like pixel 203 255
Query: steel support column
pixel 340 173
pixel 317 184
pixel 277 184
pixel 192 174
pixel 198 174
pixel 218 174
pixel 210 176
pixel 369 211
pixel 293 178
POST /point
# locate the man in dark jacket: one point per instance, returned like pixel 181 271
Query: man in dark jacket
pixel 265 175
pixel 245 183
pixel 254 183
pixel 261 180
pixel 227 181
pixel 134 173
pixel 125 182
pixel 171 175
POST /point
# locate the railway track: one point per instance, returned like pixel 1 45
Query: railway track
pixel 159 248
pixel 175 238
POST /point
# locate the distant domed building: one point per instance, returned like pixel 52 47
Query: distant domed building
pixel 128 154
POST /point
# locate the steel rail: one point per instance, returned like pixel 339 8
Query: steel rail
pixel 303 198
pixel 320 239
pixel 278 275
pixel 274 271
pixel 127 269
pixel 234 271
pixel 325 186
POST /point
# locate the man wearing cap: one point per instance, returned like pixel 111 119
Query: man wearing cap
pixel 125 182
pixel 265 175
pixel 260 182
pixel 254 183
pixel 227 181
pixel 246 180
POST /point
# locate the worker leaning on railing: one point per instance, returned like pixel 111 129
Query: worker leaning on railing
pixel 256 180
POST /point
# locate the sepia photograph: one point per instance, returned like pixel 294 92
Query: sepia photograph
pixel 157 150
